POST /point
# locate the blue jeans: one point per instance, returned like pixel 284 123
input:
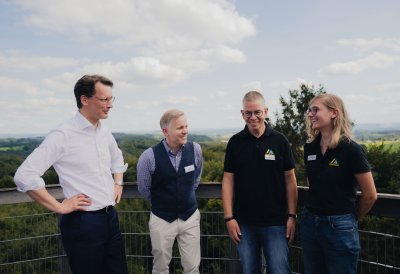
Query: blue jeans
pixel 272 240
pixel 330 243
pixel 93 242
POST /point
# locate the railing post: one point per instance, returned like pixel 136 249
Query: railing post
pixel 234 266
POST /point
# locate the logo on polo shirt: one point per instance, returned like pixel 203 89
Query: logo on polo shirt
pixel 269 155
pixel 334 162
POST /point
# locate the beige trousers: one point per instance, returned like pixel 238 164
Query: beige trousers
pixel 163 234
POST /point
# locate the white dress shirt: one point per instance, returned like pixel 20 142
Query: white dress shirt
pixel 84 157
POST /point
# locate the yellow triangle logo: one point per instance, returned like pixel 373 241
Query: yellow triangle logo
pixel 334 162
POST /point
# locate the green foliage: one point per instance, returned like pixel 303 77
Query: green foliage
pixel 213 161
pixel 8 166
pixel 291 121
pixel 28 227
pixel 385 163
pixel 384 157
pixel 7 181
pixel 212 171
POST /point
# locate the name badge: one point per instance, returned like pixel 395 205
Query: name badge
pixel 189 168
pixel 311 157
pixel 269 157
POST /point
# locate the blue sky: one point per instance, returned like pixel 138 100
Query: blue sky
pixel 200 56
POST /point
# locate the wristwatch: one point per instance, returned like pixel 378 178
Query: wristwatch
pixel 119 183
pixel 291 215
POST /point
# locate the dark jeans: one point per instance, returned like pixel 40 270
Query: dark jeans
pixel 330 243
pixel 93 242
pixel 272 240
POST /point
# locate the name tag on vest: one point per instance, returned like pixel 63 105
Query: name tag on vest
pixel 189 168
pixel 311 157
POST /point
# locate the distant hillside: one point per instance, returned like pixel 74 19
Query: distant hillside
pixel 377 127
pixel 225 133
pixel 377 131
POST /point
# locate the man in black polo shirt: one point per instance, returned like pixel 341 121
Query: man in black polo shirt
pixel 259 191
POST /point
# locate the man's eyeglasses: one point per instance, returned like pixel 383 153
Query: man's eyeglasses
pixel 248 114
pixel 106 100
pixel 313 110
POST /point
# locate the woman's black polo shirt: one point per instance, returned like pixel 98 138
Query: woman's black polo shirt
pixel 258 165
pixel 332 178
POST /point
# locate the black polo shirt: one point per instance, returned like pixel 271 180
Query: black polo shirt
pixel 258 165
pixel 332 178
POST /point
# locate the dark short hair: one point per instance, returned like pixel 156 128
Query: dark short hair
pixel 85 86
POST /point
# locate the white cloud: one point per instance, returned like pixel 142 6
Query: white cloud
pixel 282 84
pixel 174 38
pixel 15 85
pixel 293 84
pixel 369 44
pixel 253 85
pixel 10 84
pixel 222 54
pixel 135 22
pixel 142 105
pixel 34 115
pixel 22 63
pixel 377 60
pixel 48 102
pixel 61 83
pixel 390 87
pixel 182 100
pixel 218 94
pixel 375 108
pixel 141 70
pixel 36 92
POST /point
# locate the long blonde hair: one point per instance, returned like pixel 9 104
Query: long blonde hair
pixel 342 126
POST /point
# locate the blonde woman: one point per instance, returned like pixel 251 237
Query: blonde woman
pixel 336 166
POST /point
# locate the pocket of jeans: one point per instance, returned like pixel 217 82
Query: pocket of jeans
pixel 343 223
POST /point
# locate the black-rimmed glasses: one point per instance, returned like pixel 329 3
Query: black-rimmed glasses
pixel 313 110
pixel 248 114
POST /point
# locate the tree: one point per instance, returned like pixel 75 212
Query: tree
pixel 291 121
pixel 385 163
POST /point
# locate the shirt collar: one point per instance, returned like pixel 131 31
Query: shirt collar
pixel 267 131
pixel 167 148
pixel 317 140
pixel 83 123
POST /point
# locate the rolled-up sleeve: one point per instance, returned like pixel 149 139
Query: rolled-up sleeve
pixel 29 175
pixel 145 168
pixel 117 159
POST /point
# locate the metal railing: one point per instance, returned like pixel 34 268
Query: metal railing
pixel 30 243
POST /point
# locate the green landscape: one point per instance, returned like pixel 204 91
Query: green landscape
pixel 383 152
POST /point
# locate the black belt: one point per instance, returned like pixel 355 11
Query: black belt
pixel 106 209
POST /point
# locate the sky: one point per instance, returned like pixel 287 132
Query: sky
pixel 200 56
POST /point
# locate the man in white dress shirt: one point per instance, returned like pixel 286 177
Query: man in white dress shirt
pixel 90 168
